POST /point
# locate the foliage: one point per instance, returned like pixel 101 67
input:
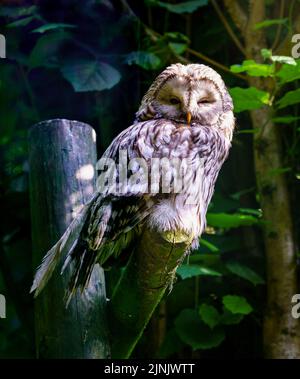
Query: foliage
pixel 90 75
pixel 188 322
pixel 248 98
pixel 237 304
pixel 144 59
pixel 182 7
pixel 267 23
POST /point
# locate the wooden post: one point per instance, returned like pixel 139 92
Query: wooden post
pixel 62 157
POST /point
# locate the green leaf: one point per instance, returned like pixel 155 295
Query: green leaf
pixel 46 48
pixel 289 73
pixel 176 36
pixel 244 272
pixel 184 7
pixel 290 98
pixel 285 119
pixel 237 304
pixel 16 12
pixel 224 220
pixel 195 333
pixel 270 22
pixel 254 69
pixel 278 171
pixel 284 59
pixel 209 245
pixel 189 271
pixel 248 98
pixel 52 26
pixel 22 22
pixel 251 211
pixel 209 315
pixel 225 244
pixel 144 59
pixel 177 48
pixel 237 195
pixel 228 318
pixel 90 75
pixel 266 53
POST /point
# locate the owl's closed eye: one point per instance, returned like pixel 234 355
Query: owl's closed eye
pixel 187 96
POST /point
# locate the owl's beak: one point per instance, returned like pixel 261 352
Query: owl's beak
pixel 188 118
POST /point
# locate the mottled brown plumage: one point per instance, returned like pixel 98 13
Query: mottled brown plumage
pixel 185 116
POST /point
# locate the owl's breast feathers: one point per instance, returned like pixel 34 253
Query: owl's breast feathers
pixel 200 152
pixel 165 138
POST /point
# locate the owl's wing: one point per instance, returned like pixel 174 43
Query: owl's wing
pixel 104 218
pixel 115 216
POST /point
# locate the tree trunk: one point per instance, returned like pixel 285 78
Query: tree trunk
pixel 281 330
pixel 62 158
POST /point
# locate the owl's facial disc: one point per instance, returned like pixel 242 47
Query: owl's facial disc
pixel 189 101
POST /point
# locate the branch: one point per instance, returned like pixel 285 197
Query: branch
pixel 150 271
pixel 279 28
pixel 154 36
pixel 214 63
pixel 228 27
pixel 237 14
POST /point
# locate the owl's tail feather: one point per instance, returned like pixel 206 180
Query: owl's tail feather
pixel 86 253
pixel 63 247
pixel 84 261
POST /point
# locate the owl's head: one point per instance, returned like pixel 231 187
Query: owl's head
pixel 192 94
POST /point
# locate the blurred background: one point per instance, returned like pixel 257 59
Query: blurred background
pixel 92 61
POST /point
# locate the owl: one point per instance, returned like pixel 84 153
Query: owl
pixel 186 116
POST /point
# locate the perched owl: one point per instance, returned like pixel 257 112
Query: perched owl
pixel 185 115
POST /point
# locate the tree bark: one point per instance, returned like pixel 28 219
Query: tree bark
pixel 149 272
pixel 62 157
pixel 281 330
